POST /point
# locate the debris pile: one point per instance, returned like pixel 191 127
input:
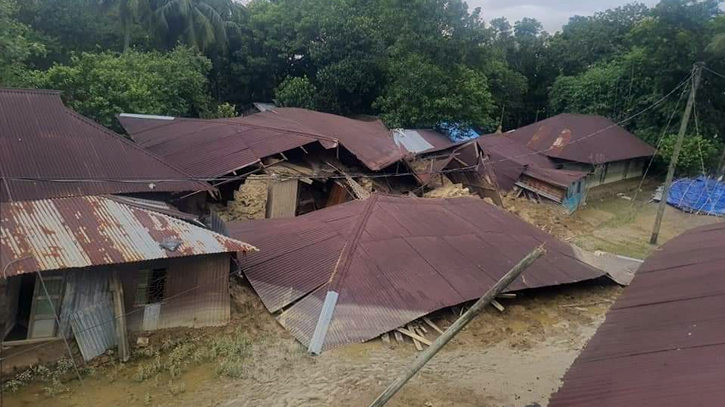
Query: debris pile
pixel 249 203
pixel 450 190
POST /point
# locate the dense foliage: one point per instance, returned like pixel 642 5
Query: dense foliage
pixel 416 63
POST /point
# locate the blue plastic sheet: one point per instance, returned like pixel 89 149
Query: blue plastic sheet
pixel 699 195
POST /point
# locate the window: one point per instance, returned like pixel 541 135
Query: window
pixel 579 187
pixel 150 287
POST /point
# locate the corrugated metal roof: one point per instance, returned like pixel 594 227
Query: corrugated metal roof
pixel 582 138
pixel 663 341
pixel 55 234
pixel 392 260
pixel 509 159
pixel 217 147
pixel 562 178
pixel 42 139
pixel 411 140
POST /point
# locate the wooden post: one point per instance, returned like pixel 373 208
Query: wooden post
pixel 120 312
pixel 697 71
pixel 457 326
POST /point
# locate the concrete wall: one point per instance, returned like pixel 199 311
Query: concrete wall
pixel 609 172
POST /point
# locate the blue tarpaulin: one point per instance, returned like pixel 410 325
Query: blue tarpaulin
pixel 700 195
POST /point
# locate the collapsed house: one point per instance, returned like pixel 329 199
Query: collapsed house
pixel 519 168
pixel 593 144
pixel 283 162
pixel 662 342
pixel 352 272
pixel 88 234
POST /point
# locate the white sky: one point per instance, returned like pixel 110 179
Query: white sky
pixel 553 14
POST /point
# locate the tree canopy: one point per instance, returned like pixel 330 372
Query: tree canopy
pixel 414 63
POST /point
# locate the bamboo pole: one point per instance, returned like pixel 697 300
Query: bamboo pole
pixel 457 326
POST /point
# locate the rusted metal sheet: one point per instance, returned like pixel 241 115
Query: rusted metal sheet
pixel 196 294
pixel 561 178
pixel 217 147
pixel 509 159
pixel 392 260
pixel 583 138
pixel 663 341
pixel 42 140
pixel 86 231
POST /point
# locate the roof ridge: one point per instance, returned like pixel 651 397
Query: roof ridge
pixel 131 144
pixel 338 277
pixel 29 90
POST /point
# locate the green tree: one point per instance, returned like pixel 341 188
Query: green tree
pixel 422 94
pixel 16 45
pixel 202 24
pixel 130 13
pixel 697 153
pixel 103 85
pixel 297 92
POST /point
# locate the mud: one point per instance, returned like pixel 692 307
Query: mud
pixel 249 203
pixel 512 358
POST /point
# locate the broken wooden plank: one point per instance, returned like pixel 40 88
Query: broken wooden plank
pixel 385 338
pixel 398 337
pixel 432 325
pixel 421 327
pixel 413 335
pixel 498 306
pixel 506 295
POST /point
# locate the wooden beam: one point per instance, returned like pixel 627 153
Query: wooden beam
pixel 398 337
pixel 498 306
pixel 432 325
pixel 413 335
pixel 457 326
pixel 120 313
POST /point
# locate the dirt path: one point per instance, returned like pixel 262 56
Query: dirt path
pixel 615 224
pixel 502 359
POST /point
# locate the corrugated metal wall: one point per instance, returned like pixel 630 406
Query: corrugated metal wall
pixel 196 292
pixel 84 288
pixel 94 328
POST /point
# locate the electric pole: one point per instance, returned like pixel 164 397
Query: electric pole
pixel 696 73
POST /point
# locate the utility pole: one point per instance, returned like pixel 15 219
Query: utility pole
pixel 696 73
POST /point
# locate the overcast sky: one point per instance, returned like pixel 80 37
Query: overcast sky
pixel 553 14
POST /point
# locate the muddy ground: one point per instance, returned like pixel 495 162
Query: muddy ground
pixel 513 358
pixel 618 224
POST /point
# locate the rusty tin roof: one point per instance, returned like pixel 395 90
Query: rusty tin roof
pixel 583 138
pixel 663 341
pixel 509 159
pixel 393 260
pixel 53 234
pixel 219 146
pixel 41 139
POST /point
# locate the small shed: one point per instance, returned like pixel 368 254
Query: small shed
pixel 92 267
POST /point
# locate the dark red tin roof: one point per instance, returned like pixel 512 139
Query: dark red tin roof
pixel 393 260
pixel 509 159
pixel 582 138
pixel 562 178
pixel 663 341
pixel 217 147
pixel 42 139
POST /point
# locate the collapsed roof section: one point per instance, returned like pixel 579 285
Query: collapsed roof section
pixel 663 340
pixel 510 159
pixel 50 151
pixel 217 147
pixel 582 138
pixel 391 260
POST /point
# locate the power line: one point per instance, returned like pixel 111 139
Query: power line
pixel 713 72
